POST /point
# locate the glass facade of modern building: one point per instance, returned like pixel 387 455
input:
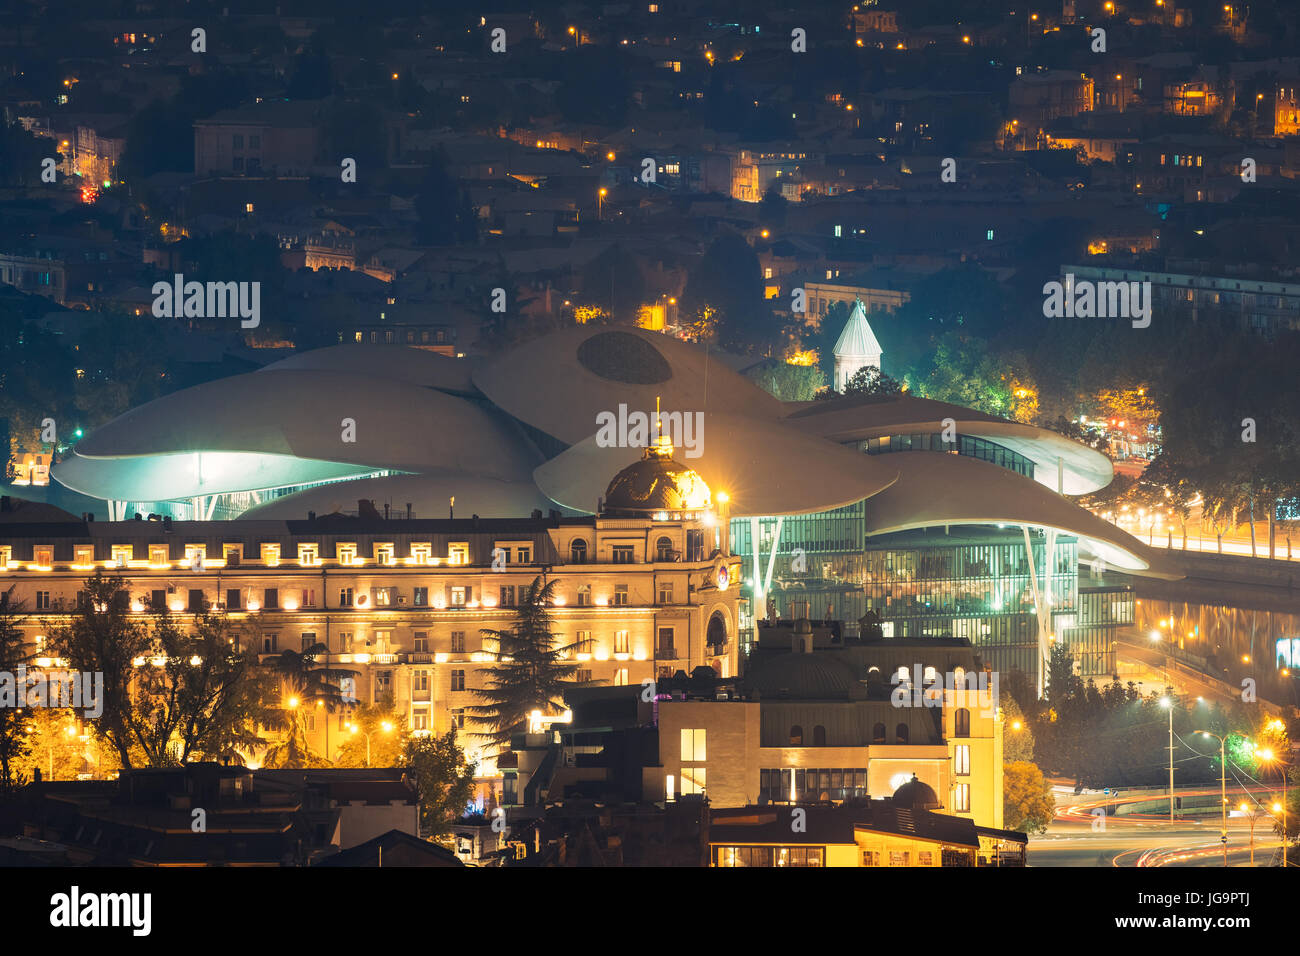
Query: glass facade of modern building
pixel 980 448
pixel 971 582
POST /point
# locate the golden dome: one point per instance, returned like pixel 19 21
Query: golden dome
pixel 657 483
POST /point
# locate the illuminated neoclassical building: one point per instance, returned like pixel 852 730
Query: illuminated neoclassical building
pixel 644 588
pixel 937 519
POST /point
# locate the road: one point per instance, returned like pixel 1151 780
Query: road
pixel 1146 839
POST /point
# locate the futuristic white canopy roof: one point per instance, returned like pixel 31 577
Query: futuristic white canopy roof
pixel 1082 469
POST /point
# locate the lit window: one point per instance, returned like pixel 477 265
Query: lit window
pixel 961 798
pixel 458 553
pixel 693 747
pixel 83 555
pixel 308 555
pixel 384 554
pixel 961 760
pixel 421 553
pixel 270 555
pixel 346 553
pixel 692 780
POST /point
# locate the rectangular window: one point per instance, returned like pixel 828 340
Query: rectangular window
pixel 458 680
pixel 961 760
pixel 308 555
pixel 421 639
pixel 621 642
pixel 232 554
pixel 346 554
pixel 507 595
pixel 457 597
pixel 693 747
pixel 308 641
pixel 268 643
pixel 308 597
pixel 458 553
pixel 234 599
pixel 420 597
pixel 383 685
pixel 620 595
pixel 620 677
pixel 271 598
pixel 525 555
pixel 622 553
pixel 196 600
pixel 692 780
pixel 961 798
pixel 422 553
pixel 345 642
pixel 345 597
pixel 664 644
pixel 458 642
pixel 665 592
pixel 384 554
pixel 270 555
pixel 585 645
pixel 583 675
pixel 42 600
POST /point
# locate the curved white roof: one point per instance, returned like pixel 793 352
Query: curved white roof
pixel 288 424
pixel 935 489
pixel 764 467
pixel 391 362
pixel 428 495
pixel 561 382
pixel 855 419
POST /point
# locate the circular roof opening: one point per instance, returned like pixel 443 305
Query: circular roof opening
pixel 623 357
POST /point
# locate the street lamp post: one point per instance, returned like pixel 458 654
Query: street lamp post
pixel 1245 809
pixel 1169 705
pixel 386 727
pixel 1223 788
pixel 1269 755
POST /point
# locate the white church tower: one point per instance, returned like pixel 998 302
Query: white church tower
pixel 856 348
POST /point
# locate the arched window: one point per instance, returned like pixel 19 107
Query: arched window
pixel 578 551
pixel 878 734
pixel 961 722
pixel 930 675
pixel 796 736
pixel 959 678
pixel 819 736
pixel 664 549
pixel 900 734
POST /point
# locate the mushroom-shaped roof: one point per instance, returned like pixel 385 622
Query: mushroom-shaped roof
pixel 765 467
pixel 936 489
pixel 270 429
pixel 1079 469
pixel 561 382
pixel 657 483
pixel 802 677
pixel 396 363
pixel 918 795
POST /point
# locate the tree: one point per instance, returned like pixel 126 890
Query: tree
pixel 870 380
pixel 101 637
pixel 1027 802
pixel 728 282
pixel 377 737
pixel 201 694
pixel 13 734
pixel 529 673
pixel 443 777
pixel 613 279
pixel 302 684
pixel 1017 735
pixel 53 745
pixel 789 383
pixel 446 216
